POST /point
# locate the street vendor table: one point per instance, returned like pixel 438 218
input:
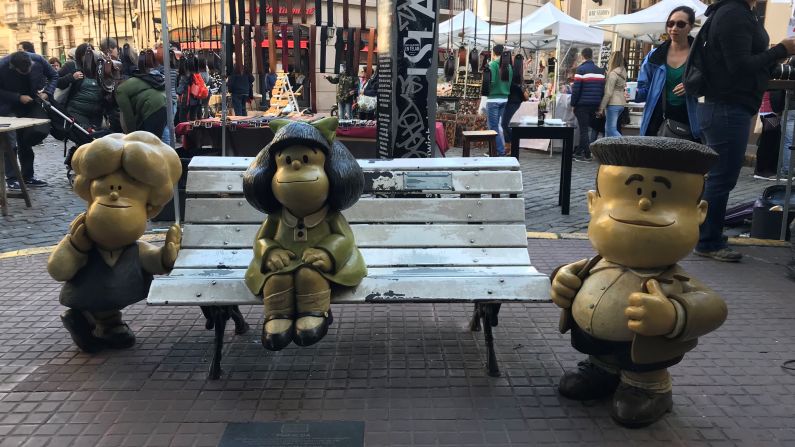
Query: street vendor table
pixel 10 124
pixel 522 129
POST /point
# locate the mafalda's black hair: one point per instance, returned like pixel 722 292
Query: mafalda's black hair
pixel 668 154
pixel 346 181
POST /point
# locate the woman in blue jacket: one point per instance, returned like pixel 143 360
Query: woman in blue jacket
pixel 661 78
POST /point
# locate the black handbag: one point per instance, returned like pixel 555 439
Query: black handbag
pixel 672 128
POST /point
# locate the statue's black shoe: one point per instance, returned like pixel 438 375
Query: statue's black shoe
pixel 116 337
pixel 587 382
pixel 635 407
pixel 82 331
pixel 314 335
pixel 277 341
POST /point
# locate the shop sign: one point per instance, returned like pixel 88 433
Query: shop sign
pixel 597 15
pixel 407 66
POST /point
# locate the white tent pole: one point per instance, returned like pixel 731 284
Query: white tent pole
pixel 169 105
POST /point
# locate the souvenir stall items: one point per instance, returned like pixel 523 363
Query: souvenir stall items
pixel 632 309
pixel 302 180
pixel 125 179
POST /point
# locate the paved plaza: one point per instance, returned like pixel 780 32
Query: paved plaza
pixel 413 373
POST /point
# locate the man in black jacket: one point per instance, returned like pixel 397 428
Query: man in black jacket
pixel 586 95
pixel 739 64
pixel 24 76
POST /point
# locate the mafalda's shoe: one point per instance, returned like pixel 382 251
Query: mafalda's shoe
pixel 588 382
pixel 313 317
pixel 635 407
pixel 81 330
pixel 278 329
pixel 112 330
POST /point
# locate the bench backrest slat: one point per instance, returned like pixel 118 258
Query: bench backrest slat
pixel 411 164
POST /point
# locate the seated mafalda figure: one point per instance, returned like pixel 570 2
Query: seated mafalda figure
pixel 302 179
pixel 632 309
pixel 125 179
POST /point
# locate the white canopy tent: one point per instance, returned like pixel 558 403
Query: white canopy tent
pixel 648 24
pixel 544 27
pixel 466 22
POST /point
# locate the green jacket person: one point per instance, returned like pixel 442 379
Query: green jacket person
pixel 302 179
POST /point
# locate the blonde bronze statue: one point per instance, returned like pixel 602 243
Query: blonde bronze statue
pixel 125 180
pixel 632 309
pixel 302 180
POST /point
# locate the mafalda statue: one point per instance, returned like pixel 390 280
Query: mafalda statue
pixel 302 179
pixel 632 309
pixel 126 179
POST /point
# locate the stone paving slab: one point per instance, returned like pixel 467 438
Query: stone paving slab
pixel 413 373
pixel 54 207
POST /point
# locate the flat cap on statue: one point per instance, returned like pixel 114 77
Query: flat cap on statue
pixel 668 154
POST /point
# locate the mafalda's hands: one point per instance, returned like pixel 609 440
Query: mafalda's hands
pixel 170 250
pixel 278 258
pixel 566 284
pixel 317 258
pixel 651 314
pixel 78 235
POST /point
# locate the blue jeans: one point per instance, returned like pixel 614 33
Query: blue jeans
pixel 790 125
pixel 344 110
pixel 725 128
pixel 495 110
pixel 239 104
pixel 611 120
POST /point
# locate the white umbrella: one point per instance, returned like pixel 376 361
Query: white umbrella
pixel 466 22
pixel 545 26
pixel 648 24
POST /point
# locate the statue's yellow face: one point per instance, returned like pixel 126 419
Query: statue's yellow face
pixel 117 213
pixel 300 183
pixel 643 217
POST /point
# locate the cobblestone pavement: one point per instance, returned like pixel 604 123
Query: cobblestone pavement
pixel 54 207
pixel 413 373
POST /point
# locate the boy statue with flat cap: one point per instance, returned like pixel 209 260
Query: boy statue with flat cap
pixel 632 309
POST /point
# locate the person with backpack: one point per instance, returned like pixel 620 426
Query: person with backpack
pixel 589 87
pixel 660 81
pixel 142 98
pixel 191 90
pixel 736 63
pixel 84 101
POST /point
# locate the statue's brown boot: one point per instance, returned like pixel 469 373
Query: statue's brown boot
pixel 278 329
pixel 637 407
pixel 112 330
pixel 588 382
pixel 81 329
pixel 313 317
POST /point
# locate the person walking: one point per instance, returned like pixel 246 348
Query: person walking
pixel 241 87
pixel 142 98
pixel 347 88
pixel 501 74
pixel 614 99
pixel 739 64
pixel 516 97
pixel 660 80
pixel 586 96
pixel 24 76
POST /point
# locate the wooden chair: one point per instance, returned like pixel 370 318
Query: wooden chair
pixel 472 136
pixel 5 147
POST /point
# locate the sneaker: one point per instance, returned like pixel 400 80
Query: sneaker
pixel 13 185
pixel 35 183
pixel 588 158
pixel 764 177
pixel 723 255
pixel 583 158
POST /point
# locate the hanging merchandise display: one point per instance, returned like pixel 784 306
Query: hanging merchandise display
pixel 276 12
pixel 285 52
pixel 349 50
pixel 339 48
pixel 318 12
pixel 228 47
pixel 297 49
pixel 323 42
pixel 303 11
pixel 272 46
pixel 370 50
pixel 355 50
pixel 311 68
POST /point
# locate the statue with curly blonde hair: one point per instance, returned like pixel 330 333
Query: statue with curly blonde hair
pixel 125 179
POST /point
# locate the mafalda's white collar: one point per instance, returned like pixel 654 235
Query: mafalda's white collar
pixel 309 221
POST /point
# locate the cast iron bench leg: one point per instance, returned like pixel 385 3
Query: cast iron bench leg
pixel 488 313
pixel 216 319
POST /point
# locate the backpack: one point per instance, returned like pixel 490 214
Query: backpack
pixel 695 76
pixel 198 89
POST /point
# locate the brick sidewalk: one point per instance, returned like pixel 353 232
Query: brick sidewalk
pixel 54 207
pixel 413 373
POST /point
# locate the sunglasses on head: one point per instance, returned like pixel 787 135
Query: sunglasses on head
pixel 677 23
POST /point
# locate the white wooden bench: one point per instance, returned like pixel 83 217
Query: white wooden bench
pixel 431 230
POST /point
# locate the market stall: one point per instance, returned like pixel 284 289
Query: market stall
pixel 648 25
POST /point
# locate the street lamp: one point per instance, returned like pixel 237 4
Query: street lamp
pixel 40 26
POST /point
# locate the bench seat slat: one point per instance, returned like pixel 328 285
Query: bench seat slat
pixel 410 164
pixel 444 210
pixel 375 257
pixel 451 271
pixel 194 291
pixel 391 182
pixel 372 236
